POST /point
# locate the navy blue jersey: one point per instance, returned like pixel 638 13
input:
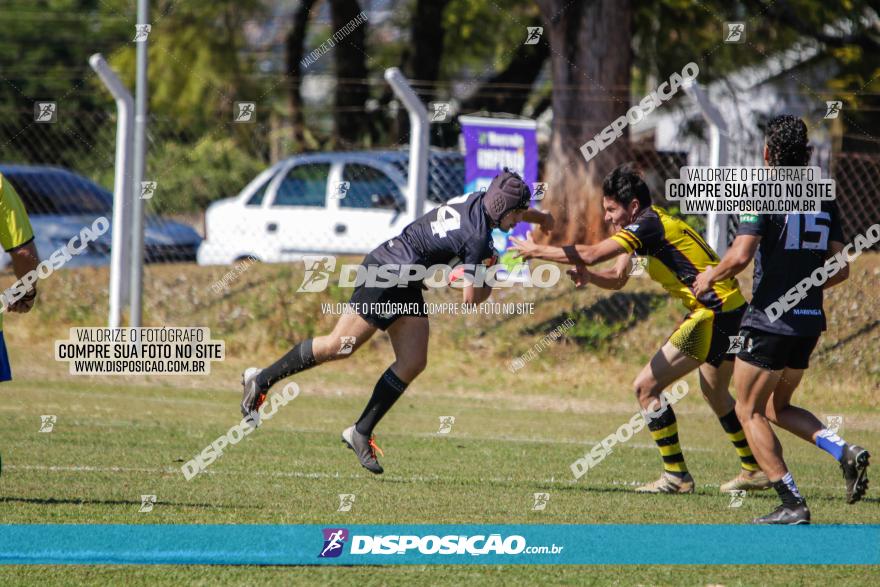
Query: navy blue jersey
pixel 457 230
pixel 792 247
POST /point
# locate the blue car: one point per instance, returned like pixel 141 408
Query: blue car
pixel 60 203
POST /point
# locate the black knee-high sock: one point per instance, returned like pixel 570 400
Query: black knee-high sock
pixel 297 359
pixel 388 389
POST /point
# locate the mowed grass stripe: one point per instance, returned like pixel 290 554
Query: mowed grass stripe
pixel 430 478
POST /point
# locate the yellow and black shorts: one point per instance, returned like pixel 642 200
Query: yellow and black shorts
pixel 705 335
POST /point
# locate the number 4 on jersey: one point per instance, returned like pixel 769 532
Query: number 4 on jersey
pixel 447 220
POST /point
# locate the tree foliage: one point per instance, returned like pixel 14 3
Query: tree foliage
pixel 200 64
pixel 197 67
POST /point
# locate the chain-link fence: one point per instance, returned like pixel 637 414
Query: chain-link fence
pixel 235 192
pixel 231 193
pixel 62 166
pixel 857 176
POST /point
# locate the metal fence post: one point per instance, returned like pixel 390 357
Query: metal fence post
pixel 122 188
pixel 140 151
pixel 417 183
pixel 716 223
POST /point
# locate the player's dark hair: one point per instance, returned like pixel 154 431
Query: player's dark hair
pixel 787 141
pixel 625 184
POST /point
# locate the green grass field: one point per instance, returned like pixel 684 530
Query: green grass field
pixel 117 438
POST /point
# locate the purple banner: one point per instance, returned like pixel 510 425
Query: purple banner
pixel 490 145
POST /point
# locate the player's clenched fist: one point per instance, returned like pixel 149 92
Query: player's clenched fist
pixel 24 304
pixel 580 275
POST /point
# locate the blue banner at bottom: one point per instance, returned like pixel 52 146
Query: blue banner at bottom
pixel 439 544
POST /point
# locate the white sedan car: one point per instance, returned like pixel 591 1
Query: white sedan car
pixel 323 203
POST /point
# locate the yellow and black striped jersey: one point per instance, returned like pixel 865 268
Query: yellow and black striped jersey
pixel 676 255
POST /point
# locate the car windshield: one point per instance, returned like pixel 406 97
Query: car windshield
pixel 368 187
pixel 60 193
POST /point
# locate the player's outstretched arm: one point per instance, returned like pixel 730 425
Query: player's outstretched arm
pixel 737 258
pixel 543 219
pixel 573 254
pixel 614 278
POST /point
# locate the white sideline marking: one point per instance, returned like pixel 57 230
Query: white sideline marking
pixel 88 469
pixel 302 475
pixel 172 470
pixel 588 443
